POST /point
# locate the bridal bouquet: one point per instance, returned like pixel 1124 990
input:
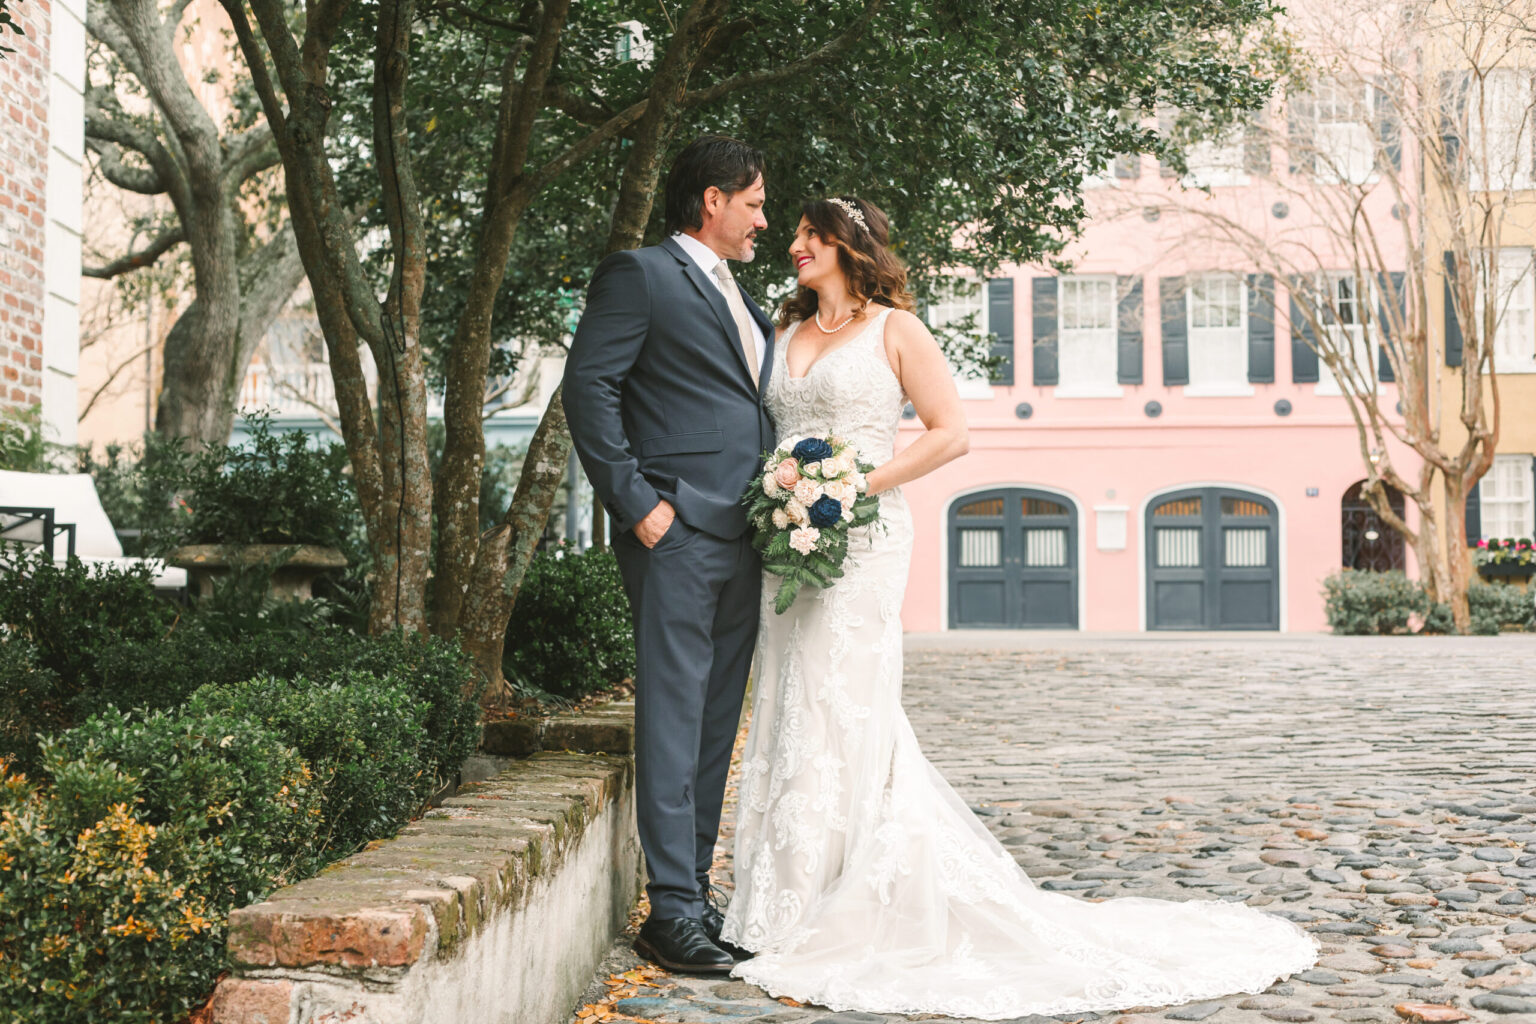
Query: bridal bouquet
pixel 810 495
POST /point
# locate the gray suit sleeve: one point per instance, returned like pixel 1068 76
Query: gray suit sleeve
pixel 608 341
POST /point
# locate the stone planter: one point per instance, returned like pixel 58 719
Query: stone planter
pixel 294 566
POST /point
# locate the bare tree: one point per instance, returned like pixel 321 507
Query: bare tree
pixel 1397 158
pixel 150 134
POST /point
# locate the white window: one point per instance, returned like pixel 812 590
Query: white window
pixel 1087 354
pixel 1514 337
pixel 1345 333
pixel 1218 161
pixel 1508 505
pixel 1344 133
pixel 1499 128
pixel 1218 336
pixel 961 303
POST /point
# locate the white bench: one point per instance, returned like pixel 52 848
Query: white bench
pixel 74 500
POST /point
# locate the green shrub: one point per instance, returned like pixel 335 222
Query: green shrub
pixel 1494 606
pixel 30 703
pixel 571 633
pixel 116 881
pixel 362 738
pixel 72 611
pixel 100 922
pixel 226 782
pixel 271 489
pixel 138 486
pixel 165 673
pixel 24 444
pixel 1361 602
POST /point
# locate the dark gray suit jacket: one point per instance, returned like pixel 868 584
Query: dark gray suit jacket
pixel 658 394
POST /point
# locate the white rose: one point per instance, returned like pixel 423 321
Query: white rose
pixel 860 484
pixel 771 486
pixel 796 512
pixel 812 468
pixel 807 491
pixel 780 519
pixel 842 491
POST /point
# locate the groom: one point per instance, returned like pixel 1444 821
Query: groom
pixel 663 392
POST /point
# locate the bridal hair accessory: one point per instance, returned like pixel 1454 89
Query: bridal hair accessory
pixel 811 493
pixel 854 213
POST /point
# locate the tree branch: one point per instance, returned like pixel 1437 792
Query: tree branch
pixel 146 181
pixel 145 257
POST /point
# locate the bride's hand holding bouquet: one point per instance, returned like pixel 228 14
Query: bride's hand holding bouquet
pixel 811 493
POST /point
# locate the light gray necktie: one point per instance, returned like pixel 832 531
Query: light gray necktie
pixel 744 330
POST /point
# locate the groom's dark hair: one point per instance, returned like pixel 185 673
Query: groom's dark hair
pixel 710 160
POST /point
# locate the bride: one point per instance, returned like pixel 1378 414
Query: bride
pixel 863 882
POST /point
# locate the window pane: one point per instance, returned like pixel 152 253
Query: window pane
pixel 1043 507
pixel 1244 507
pixel 1508 504
pixel 1178 507
pixel 1246 547
pixel 1178 547
pixel 984 507
pixel 981 549
pixel 1045 548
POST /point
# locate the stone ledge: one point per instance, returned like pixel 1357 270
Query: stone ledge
pixel 607 729
pixel 506 894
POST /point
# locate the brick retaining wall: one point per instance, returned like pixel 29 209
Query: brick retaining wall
pixel 496 906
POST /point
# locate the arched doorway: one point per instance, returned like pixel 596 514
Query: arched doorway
pixel 1013 560
pixel 1213 560
pixel 1369 543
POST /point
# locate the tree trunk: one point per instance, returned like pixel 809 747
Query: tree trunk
pixel 506 550
pixel 484 631
pixel 1457 572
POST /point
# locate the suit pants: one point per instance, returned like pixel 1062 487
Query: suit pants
pixel 694 598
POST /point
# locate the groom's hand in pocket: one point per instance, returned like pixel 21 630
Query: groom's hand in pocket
pixel 655 524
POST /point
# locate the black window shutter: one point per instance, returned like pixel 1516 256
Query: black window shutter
pixel 1256 147
pixel 1452 322
pixel 1164 131
pixel 1453 117
pixel 1000 320
pixel 1175 323
pixel 1300 134
pixel 1261 329
pixel 1391 288
pixel 1128 166
pixel 1389 124
pixel 1303 355
pixel 1474 514
pixel 1128 329
pixel 1043 317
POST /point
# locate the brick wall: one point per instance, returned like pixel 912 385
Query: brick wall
pixel 24 85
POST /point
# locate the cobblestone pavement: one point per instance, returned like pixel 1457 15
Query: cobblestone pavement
pixel 1382 793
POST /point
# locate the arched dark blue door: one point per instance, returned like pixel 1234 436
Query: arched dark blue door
pixel 1013 561
pixel 1213 561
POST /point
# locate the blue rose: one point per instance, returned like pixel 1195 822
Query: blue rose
pixel 825 511
pixel 812 449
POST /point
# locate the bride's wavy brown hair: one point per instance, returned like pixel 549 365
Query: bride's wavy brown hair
pixel 873 272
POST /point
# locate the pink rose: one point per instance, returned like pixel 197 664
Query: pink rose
pixel 787 473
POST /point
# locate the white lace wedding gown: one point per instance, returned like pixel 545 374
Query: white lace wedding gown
pixel 863 882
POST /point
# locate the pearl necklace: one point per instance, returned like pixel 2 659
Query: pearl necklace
pixel 845 323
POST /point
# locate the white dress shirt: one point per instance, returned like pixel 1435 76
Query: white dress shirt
pixel 706 258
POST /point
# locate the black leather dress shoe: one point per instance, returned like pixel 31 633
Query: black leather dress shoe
pixel 679 944
pixel 713 919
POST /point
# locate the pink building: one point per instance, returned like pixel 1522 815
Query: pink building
pixel 1163 451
